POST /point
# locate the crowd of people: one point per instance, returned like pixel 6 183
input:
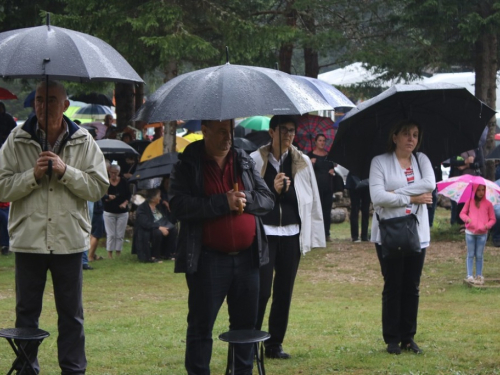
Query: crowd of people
pixel 236 224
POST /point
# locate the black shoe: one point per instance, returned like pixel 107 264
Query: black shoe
pixel 411 346
pixel 5 250
pixel 393 349
pixel 87 267
pixel 277 353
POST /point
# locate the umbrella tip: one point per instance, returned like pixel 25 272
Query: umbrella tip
pixel 277 66
pixel 227 55
pixel 47 19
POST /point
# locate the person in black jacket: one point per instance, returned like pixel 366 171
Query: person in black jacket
pixel 155 236
pixel 7 123
pixel 219 248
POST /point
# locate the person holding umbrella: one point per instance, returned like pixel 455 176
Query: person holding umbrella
pixel 218 249
pixel 401 183
pixel 293 227
pixel 7 124
pixel 49 220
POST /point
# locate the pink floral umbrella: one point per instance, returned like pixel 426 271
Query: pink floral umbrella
pixel 460 189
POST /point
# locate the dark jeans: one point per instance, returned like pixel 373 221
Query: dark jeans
pixel 431 208
pixel 219 276
pixel 326 198
pixel 163 246
pixel 4 221
pixel 456 208
pixel 400 296
pixel 360 199
pixel 66 271
pixel 284 259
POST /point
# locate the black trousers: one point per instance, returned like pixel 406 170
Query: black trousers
pixel 163 246
pixel 360 199
pixel 66 271
pixel 284 259
pixel 326 198
pixel 220 276
pixel 400 296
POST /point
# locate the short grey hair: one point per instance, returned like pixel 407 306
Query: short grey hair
pixel 53 84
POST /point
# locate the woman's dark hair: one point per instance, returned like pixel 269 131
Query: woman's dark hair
pixel 319 135
pixel 277 120
pixel 400 126
pixel 151 193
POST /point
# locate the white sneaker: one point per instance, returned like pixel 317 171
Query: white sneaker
pixel 479 280
pixel 470 279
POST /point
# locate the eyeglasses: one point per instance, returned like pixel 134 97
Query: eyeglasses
pixel 285 130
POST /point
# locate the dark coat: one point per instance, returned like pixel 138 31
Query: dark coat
pixel 191 207
pixel 144 224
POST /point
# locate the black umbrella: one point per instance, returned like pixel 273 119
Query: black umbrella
pixel 245 144
pixel 93 98
pixel 115 148
pixel 452 120
pixel 494 155
pixel 140 145
pixel 259 138
pixel 228 92
pixel 157 167
pixel 49 51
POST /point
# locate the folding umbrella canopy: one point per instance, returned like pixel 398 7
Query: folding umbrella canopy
pixel 193 125
pixel 156 167
pixel 494 155
pixel 93 111
pixel 155 148
pixel 309 126
pixel 460 188
pixel 245 144
pixel 228 92
pixel 256 123
pixel 114 148
pixel 451 118
pixel 93 98
pixel 6 94
pixel 333 96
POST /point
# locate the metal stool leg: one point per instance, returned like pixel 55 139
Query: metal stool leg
pixel 22 356
pixel 259 358
pixel 230 360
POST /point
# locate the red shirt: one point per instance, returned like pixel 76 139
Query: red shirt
pixel 232 232
pixel 4 204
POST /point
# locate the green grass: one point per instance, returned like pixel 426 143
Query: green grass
pixel 135 315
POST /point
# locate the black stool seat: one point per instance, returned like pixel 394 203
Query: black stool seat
pixel 32 336
pixel 245 336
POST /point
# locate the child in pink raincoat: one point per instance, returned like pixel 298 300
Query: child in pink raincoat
pixel 478 216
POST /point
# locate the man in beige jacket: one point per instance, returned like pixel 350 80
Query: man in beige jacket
pixel 49 224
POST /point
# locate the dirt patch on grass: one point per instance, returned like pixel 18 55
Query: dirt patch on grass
pixel 348 262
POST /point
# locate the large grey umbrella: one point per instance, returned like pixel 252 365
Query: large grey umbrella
pixel 62 54
pixel 115 148
pixel 333 96
pixel 230 91
pixel 47 51
pixel 157 167
pixel 451 117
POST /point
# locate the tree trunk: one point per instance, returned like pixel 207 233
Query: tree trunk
pixel 139 95
pixel 311 63
pixel 170 128
pixel 486 68
pixel 125 108
pixel 311 59
pixel 286 48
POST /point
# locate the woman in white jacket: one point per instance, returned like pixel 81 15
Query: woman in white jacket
pixel 293 227
pixel 401 182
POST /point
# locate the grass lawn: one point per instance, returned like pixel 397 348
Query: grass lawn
pixel 135 315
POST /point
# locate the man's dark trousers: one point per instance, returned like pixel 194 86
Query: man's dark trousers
pixel 284 259
pixel 66 271
pixel 220 275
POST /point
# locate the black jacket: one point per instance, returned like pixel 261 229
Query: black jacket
pixel 144 224
pixel 191 207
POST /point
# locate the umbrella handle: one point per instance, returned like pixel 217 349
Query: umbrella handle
pixel 49 169
pixel 240 208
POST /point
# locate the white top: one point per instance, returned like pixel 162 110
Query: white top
pixel 386 176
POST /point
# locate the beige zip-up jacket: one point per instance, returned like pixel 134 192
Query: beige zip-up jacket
pixel 51 215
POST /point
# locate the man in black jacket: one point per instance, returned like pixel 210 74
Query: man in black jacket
pixel 219 248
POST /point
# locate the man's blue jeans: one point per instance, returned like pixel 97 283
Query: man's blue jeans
pixel 475 248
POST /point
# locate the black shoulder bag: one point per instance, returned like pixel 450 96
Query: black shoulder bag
pixel 399 235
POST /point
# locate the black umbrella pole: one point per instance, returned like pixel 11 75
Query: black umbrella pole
pixel 235 169
pixel 46 143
